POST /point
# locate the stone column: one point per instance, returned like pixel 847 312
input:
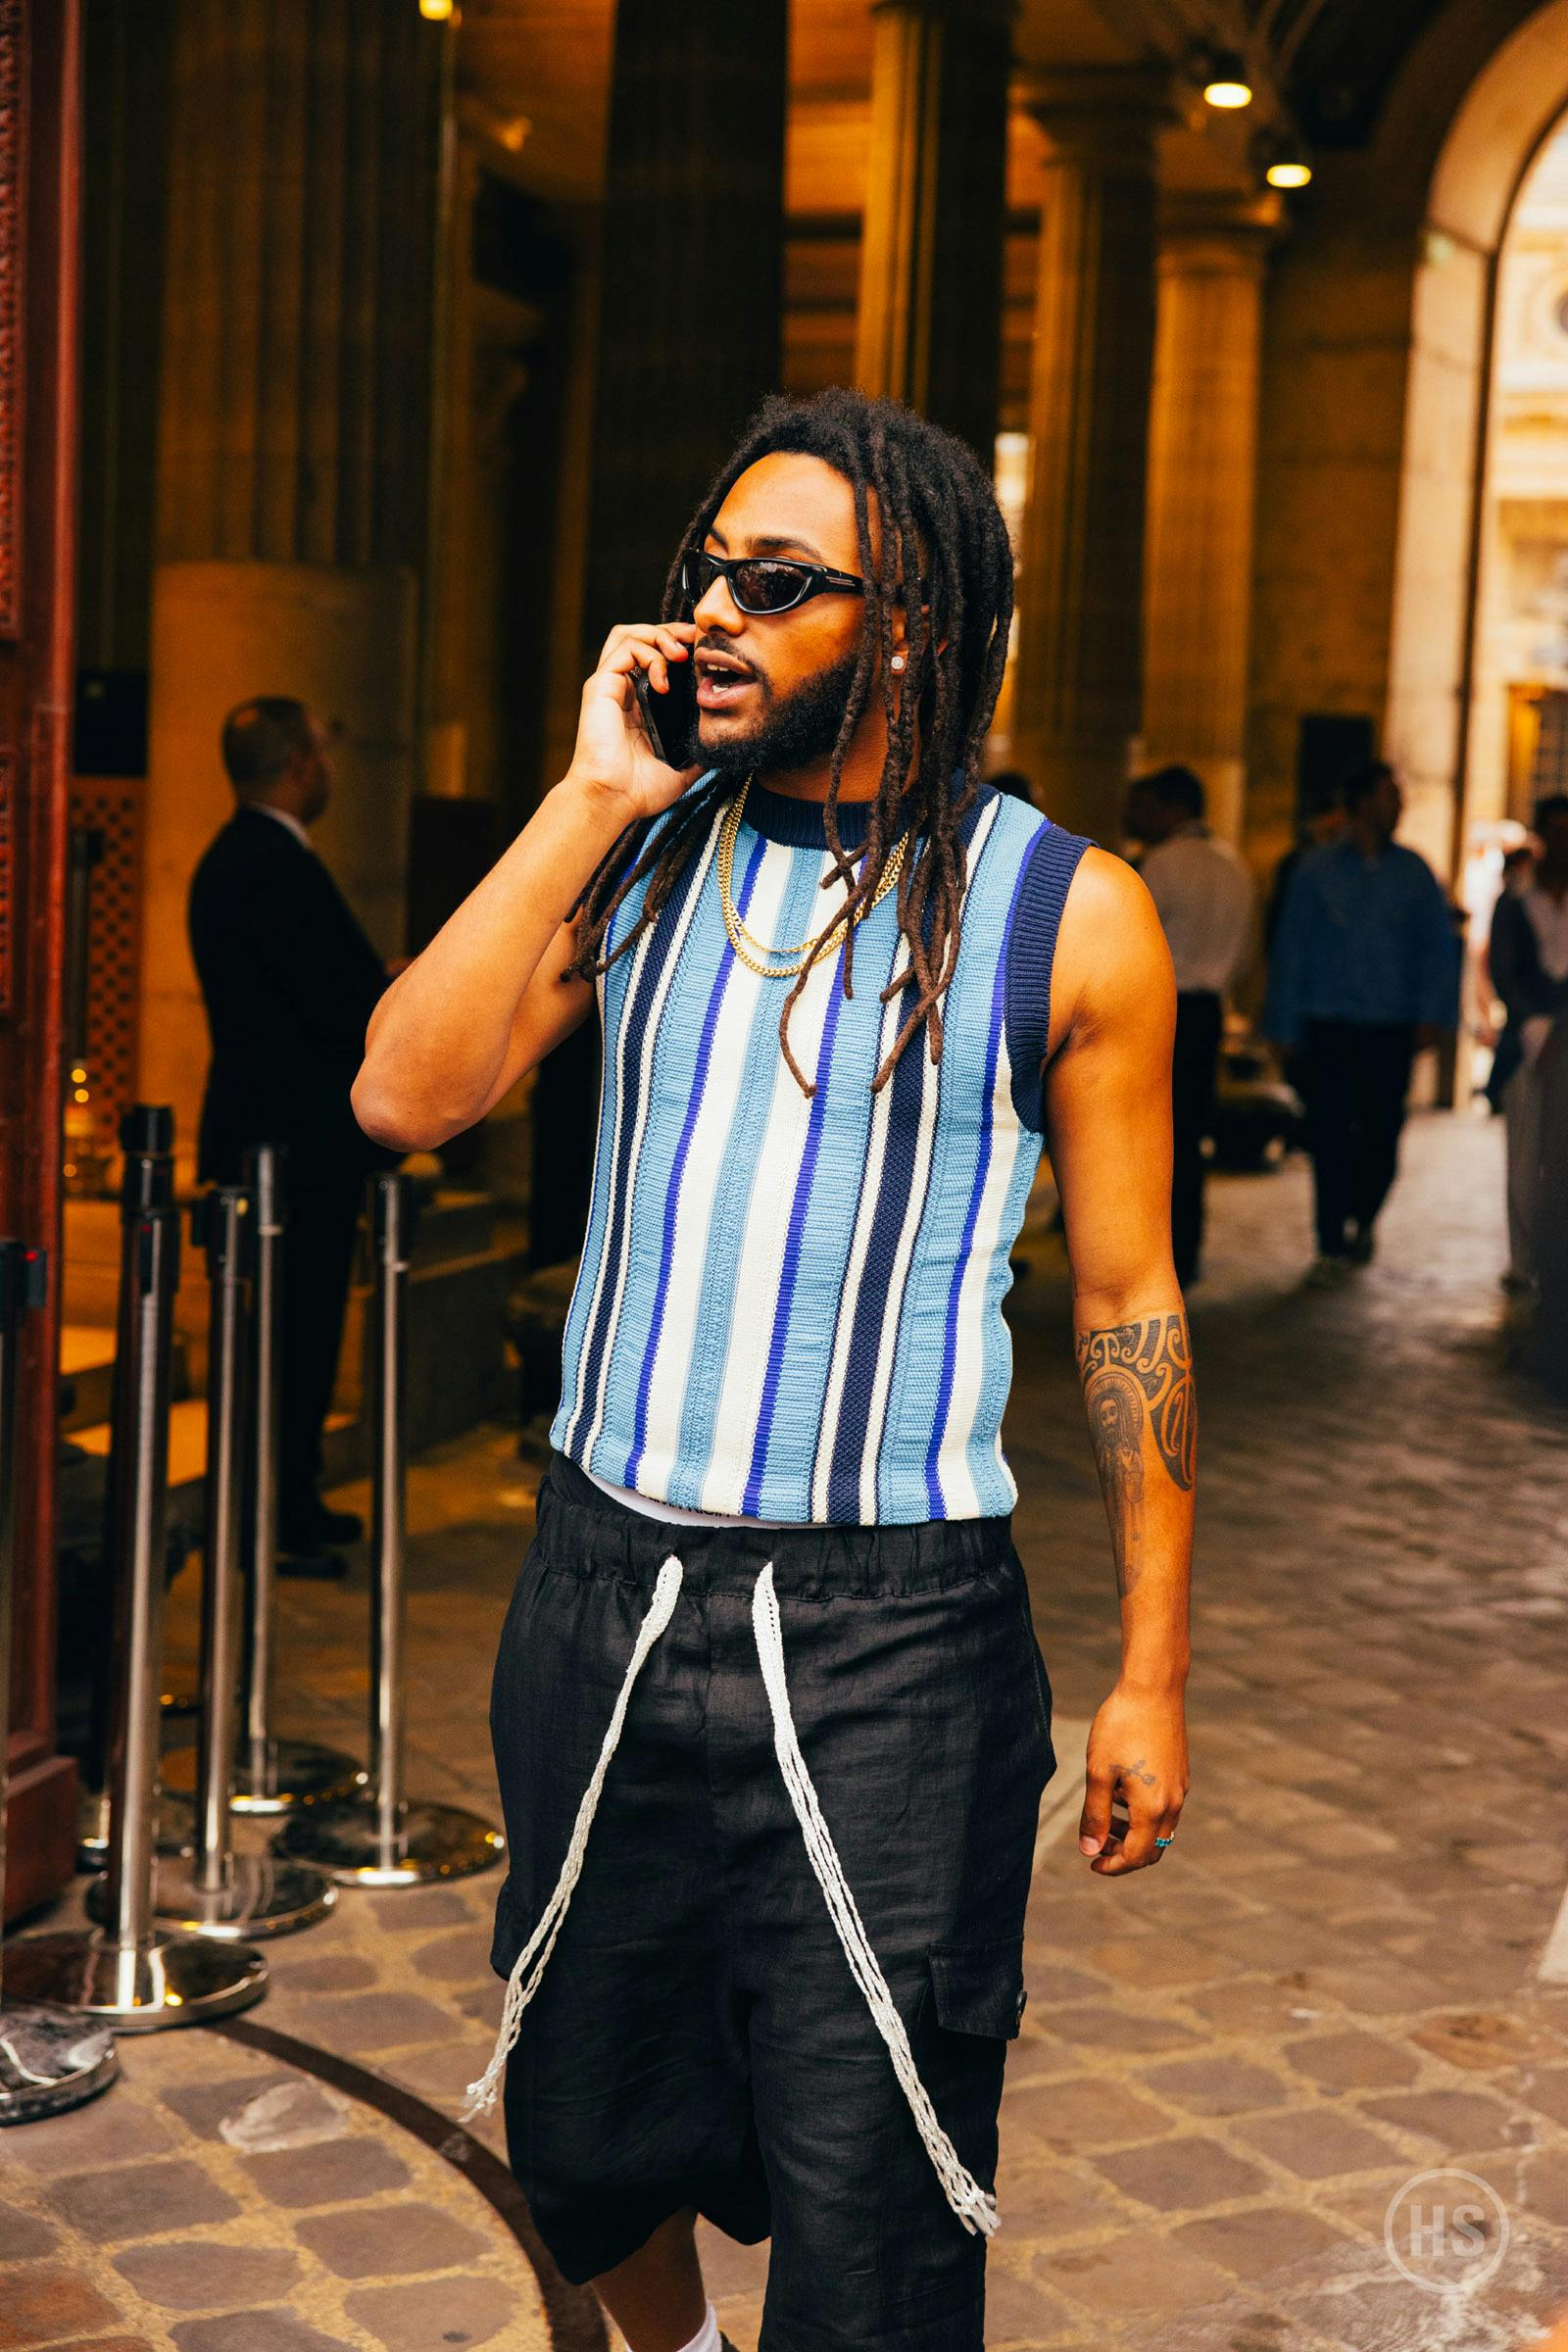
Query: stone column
pixel 293 449
pixel 931 250
pixel 302 208
pixel 692 289
pixel 1201 467
pixel 1078 700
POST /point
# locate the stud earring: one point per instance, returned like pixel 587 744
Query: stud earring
pixel 898 660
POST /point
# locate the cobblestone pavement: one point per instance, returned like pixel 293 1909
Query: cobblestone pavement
pixel 1230 2065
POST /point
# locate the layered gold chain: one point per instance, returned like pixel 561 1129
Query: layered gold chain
pixel 751 949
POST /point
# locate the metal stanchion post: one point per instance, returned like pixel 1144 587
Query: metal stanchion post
pixel 129 1972
pixel 271 1774
pixel 48 2061
pixel 212 1891
pixel 382 1838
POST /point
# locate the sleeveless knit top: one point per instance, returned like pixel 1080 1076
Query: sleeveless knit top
pixel 788 1306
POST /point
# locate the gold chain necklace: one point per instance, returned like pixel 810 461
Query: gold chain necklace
pixel 744 941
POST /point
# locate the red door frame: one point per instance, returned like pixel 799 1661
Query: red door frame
pixel 41 71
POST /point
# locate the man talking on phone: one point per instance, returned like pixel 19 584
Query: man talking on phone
pixel 770 1721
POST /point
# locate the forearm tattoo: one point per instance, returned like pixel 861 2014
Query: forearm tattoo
pixel 1129 1371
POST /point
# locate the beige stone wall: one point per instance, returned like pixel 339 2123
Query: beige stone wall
pixel 1336 350
pixel 345 643
pixel 1374 359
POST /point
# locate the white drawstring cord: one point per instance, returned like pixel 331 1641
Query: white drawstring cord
pixel 482 2093
pixel 975 2207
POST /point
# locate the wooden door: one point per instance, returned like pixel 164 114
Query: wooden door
pixel 40 165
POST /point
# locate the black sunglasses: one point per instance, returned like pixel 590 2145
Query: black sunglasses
pixel 764 584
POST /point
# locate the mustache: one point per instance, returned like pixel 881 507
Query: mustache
pixel 715 643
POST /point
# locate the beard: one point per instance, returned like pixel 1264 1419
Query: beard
pixel 795 732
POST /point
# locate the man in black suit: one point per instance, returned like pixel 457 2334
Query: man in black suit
pixel 290 981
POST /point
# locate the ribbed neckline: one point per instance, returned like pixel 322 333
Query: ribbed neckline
pixel 777 817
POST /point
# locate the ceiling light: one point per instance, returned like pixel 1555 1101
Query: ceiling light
pixel 1225 81
pixel 437 11
pixel 1280 158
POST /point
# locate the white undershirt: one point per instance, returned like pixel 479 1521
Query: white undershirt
pixel 652 1508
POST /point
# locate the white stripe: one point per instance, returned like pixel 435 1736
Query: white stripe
pixel 670 1374
pixel 954 1471
pixel 762 1252
pixel 601 1269
pixel 860 1242
pixel 914 1211
pixel 650 1041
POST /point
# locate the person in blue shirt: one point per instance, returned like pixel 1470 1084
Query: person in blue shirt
pixel 1364 974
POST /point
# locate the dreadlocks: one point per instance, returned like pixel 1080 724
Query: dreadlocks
pixel 940 527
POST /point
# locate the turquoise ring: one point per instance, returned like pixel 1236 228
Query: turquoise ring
pixel 1164 1841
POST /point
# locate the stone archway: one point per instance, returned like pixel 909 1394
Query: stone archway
pixel 1509 109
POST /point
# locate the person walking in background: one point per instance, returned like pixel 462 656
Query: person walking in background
pixel 289 980
pixel 1528 962
pixel 1318 825
pixel 1365 972
pixel 1204 895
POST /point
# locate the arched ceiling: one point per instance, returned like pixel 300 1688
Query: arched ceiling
pixel 1329 63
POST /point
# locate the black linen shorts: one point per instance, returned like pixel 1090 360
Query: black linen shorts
pixel 698 2038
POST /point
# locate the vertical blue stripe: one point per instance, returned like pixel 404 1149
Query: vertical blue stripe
pixel 992 1488
pixel 802 1430
pixel 694 1103
pixel 921 1364
pixel 792 1240
pixel 944 1397
pixel 873 1296
pixel 632 1029
pixel 611 991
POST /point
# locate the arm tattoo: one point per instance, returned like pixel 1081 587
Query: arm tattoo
pixel 1153 1358
pixel 1127 1370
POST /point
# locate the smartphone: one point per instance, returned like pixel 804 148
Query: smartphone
pixel 670 718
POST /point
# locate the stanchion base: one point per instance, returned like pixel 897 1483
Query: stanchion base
pixel 174 1981
pixel 431 1841
pixel 261 1896
pixel 175 1828
pixel 49 2064
pixel 296 1773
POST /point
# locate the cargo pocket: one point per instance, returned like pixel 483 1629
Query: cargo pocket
pixel 978 1988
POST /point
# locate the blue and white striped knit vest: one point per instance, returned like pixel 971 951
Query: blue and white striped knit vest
pixel 788 1306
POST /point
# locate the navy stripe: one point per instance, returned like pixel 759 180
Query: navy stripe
pixel 630 1042
pixel 792 1246
pixel 672 1189
pixel 1049 869
pixel 904 1086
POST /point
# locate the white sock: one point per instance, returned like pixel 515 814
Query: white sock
pixel 707 2337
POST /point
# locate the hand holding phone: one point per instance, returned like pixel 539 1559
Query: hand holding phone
pixel 671 717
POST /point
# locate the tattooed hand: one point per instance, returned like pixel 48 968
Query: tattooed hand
pixel 1138 1763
